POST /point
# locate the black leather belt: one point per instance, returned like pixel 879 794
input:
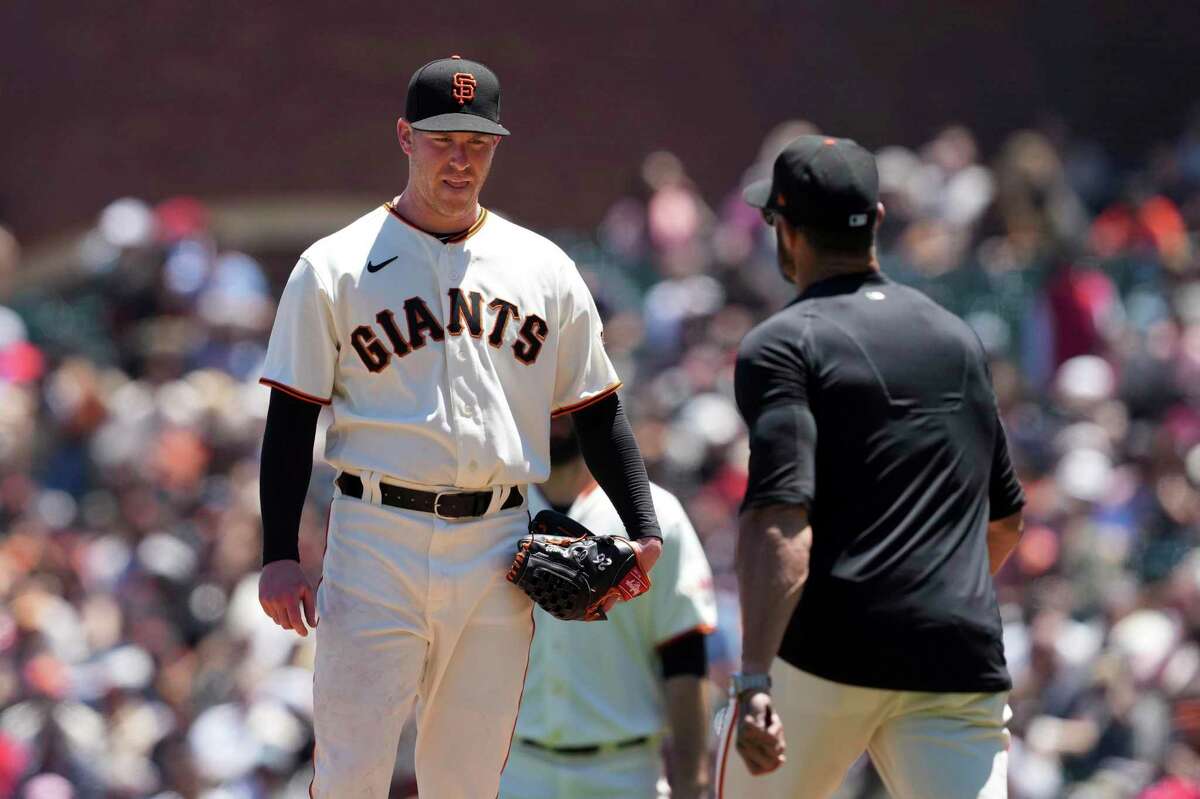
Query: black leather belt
pixel 445 505
pixel 586 750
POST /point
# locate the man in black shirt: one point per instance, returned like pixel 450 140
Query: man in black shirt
pixel 881 499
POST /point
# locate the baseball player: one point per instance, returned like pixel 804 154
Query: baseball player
pixel 444 337
pixel 880 500
pixel 599 698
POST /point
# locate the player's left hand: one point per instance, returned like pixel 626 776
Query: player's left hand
pixel 649 550
pixel 759 733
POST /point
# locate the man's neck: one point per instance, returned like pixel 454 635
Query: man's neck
pixel 829 267
pixel 429 220
pixel 567 481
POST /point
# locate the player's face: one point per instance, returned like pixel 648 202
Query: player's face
pixel 448 170
pixel 796 257
pixel 783 248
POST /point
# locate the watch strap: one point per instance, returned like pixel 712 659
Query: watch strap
pixel 746 683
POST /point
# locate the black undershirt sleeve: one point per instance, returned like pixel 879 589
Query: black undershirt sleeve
pixel 771 387
pixel 783 445
pixel 1004 491
pixel 284 472
pixel 612 455
pixel 684 655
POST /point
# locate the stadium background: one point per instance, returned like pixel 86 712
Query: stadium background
pixel 163 165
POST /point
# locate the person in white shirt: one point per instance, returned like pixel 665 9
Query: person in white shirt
pixel 444 337
pixel 600 697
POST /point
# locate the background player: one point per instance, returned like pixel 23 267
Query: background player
pixel 444 337
pixel 880 499
pixel 599 697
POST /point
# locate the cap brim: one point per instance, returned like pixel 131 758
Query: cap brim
pixel 758 193
pixel 453 123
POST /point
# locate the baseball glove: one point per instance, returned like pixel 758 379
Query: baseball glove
pixel 571 572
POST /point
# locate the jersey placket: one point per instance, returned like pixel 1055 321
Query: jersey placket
pixel 462 382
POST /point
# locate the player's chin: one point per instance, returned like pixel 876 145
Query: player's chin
pixel 457 197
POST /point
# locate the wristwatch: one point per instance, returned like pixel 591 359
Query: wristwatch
pixel 749 683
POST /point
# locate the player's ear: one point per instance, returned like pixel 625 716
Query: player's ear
pixel 404 132
pixel 880 213
pixel 789 233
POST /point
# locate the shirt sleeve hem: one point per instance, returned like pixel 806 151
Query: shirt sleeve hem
pixel 703 629
pixel 578 406
pixel 761 500
pixel 1003 512
pixel 295 392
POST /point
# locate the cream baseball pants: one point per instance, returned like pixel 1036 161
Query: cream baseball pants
pixel 632 773
pixel 924 745
pixel 414 608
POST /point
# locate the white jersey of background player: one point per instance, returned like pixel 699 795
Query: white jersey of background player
pixel 444 337
pixel 596 703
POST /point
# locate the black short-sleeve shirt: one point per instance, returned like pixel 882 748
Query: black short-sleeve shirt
pixel 872 405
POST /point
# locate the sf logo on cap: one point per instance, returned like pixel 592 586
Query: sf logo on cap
pixel 464 87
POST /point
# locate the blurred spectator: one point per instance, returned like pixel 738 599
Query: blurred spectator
pixel 134 660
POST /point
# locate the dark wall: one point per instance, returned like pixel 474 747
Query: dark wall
pixel 231 99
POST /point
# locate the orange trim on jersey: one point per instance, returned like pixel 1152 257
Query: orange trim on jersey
pixel 295 392
pixel 466 234
pixel 472 230
pixel 314 776
pixel 524 677
pixel 723 763
pixel 324 549
pixel 703 629
pixel 579 406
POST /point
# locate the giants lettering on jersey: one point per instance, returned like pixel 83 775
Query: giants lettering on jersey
pixel 466 315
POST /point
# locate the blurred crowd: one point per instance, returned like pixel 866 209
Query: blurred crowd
pixel 136 662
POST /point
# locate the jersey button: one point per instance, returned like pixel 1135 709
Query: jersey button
pixel 467 411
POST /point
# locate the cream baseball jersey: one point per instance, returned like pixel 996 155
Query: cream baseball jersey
pixel 621 697
pixel 443 361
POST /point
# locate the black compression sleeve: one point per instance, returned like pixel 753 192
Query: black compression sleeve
pixel 612 455
pixel 684 655
pixel 284 473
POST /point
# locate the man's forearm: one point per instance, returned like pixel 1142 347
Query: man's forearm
pixel 1002 538
pixel 687 710
pixel 611 452
pixel 772 565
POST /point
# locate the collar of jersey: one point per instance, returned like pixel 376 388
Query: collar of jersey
pixel 841 284
pixel 461 237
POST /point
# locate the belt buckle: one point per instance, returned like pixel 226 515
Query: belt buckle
pixel 436 500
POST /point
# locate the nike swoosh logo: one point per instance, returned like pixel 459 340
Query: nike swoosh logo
pixel 376 267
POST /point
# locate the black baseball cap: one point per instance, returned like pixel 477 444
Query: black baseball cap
pixel 454 94
pixel 821 182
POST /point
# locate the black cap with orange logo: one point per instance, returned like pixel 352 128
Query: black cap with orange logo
pixel 827 183
pixel 454 94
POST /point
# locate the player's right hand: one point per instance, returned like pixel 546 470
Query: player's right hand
pixel 759 733
pixel 283 589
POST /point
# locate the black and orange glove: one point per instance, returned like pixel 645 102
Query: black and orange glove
pixel 571 572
